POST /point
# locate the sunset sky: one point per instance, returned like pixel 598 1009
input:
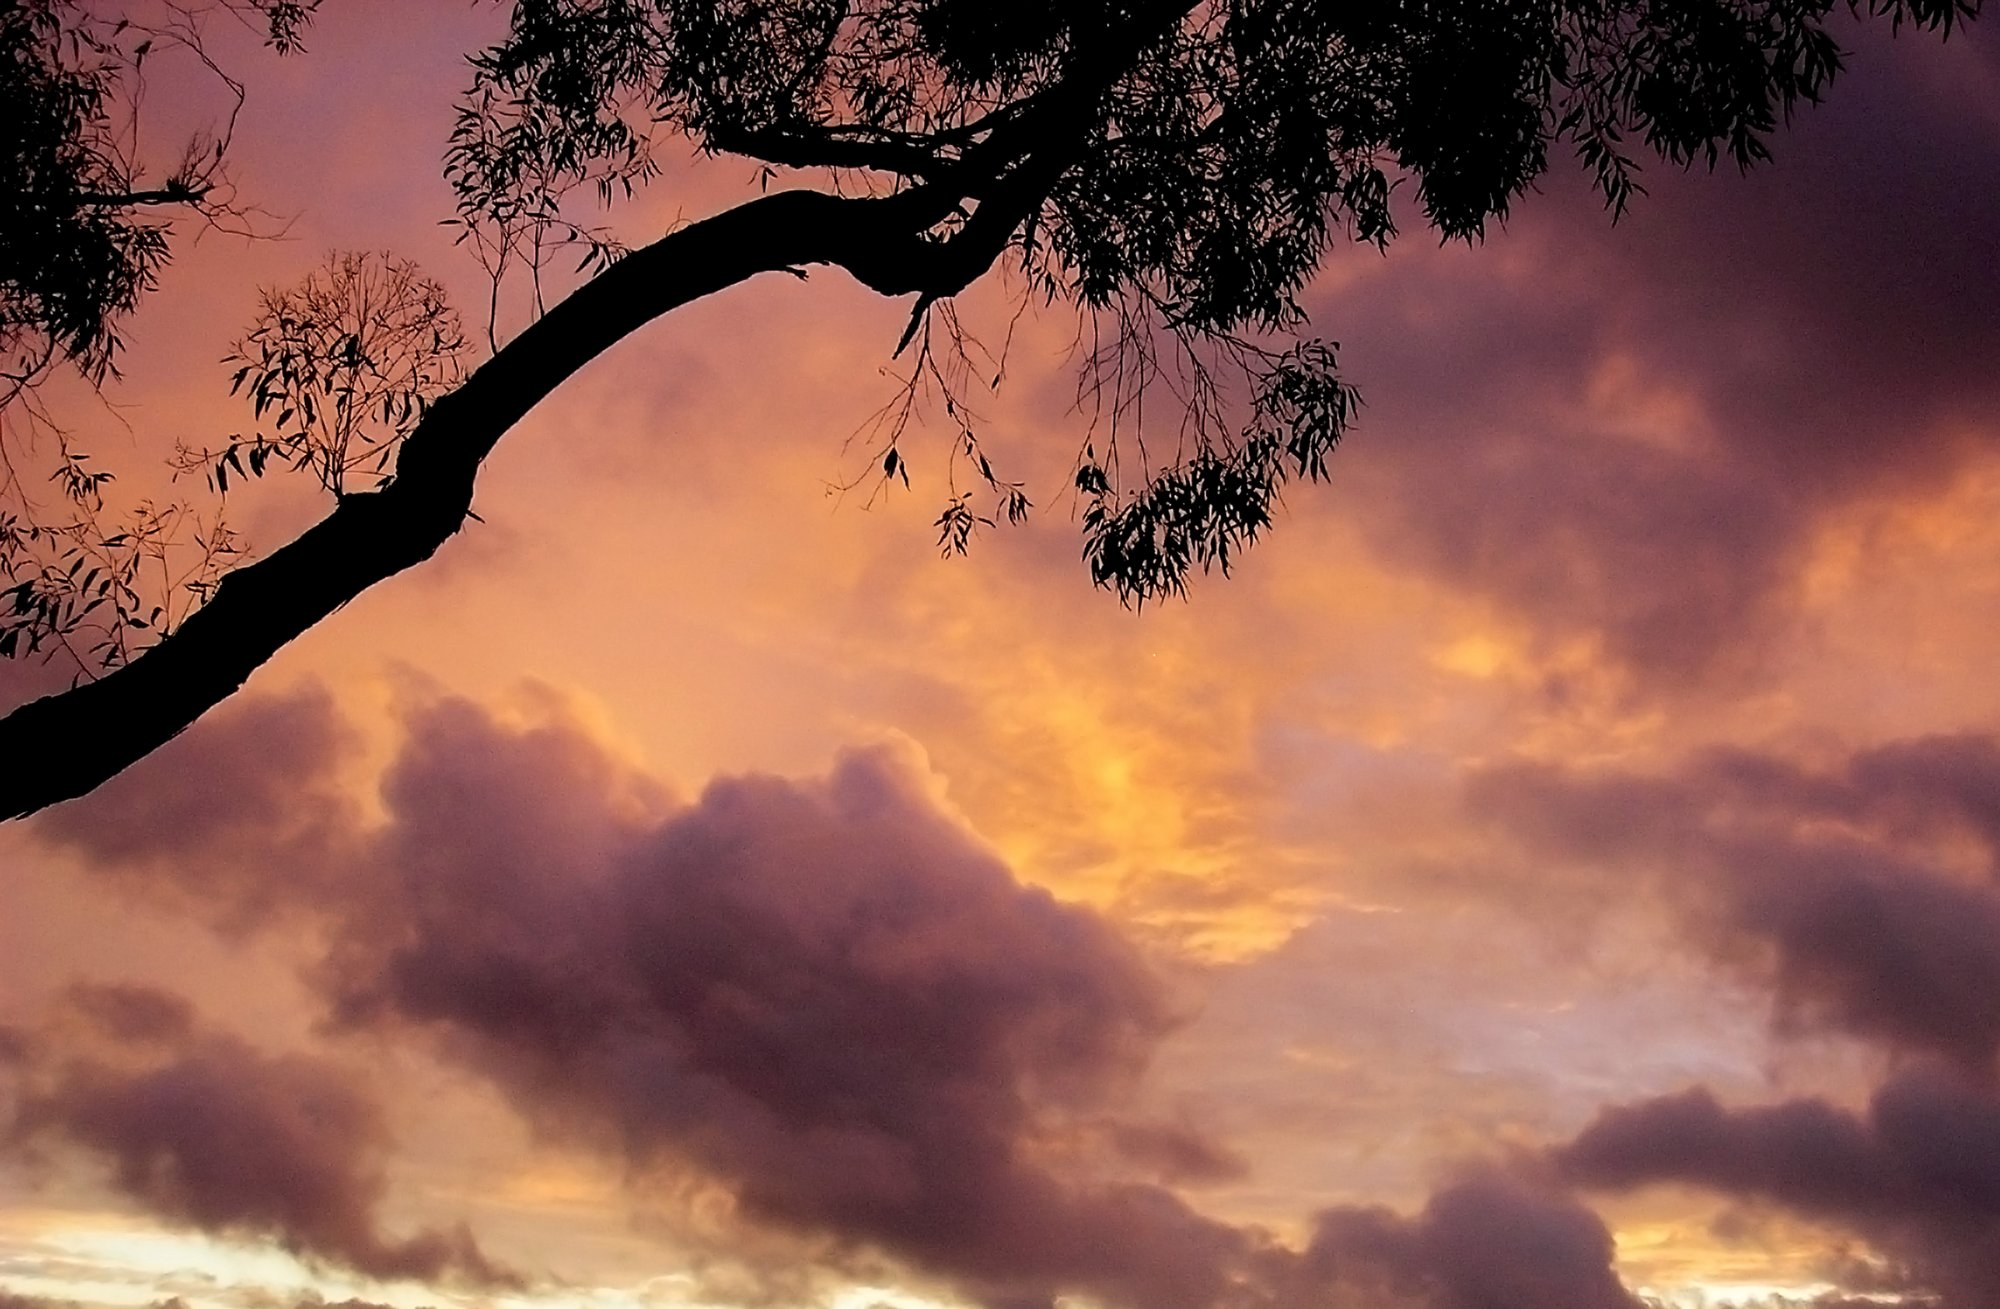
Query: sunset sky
pixel 1559 869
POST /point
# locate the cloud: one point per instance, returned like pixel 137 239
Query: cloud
pixel 237 817
pixel 1917 1173
pixel 826 996
pixel 1176 1151
pixel 1631 433
pixel 257 1297
pixel 133 1015
pixel 11 1300
pixel 8 1300
pixel 1863 893
pixel 829 1001
pixel 1488 1240
pixel 204 1130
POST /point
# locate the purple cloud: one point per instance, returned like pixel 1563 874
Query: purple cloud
pixel 205 1131
pixel 1917 1173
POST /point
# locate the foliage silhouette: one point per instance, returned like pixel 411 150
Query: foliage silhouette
pixel 1175 169
pixel 84 233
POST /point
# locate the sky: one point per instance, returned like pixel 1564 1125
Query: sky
pixel 1559 868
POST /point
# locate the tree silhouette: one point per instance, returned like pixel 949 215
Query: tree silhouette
pixel 1177 169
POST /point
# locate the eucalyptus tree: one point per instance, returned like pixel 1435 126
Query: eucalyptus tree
pixel 1176 169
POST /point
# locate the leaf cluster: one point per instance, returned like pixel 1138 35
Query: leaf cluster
pixel 1205 510
pixel 338 370
pixel 84 226
pixel 1200 155
pixel 87 212
pixel 99 589
pixel 69 268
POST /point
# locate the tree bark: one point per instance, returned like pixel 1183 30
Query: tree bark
pixel 64 745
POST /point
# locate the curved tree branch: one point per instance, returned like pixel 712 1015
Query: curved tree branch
pixel 1003 167
pixel 81 737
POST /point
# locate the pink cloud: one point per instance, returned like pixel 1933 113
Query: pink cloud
pixel 203 1130
pixel 830 1000
pixel 1841 888
pixel 1917 1173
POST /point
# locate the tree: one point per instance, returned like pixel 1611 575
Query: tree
pixel 1174 169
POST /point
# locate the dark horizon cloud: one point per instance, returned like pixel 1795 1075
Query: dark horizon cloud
pixel 12 1300
pixel 1820 331
pixel 1916 1173
pixel 9 1300
pixel 1489 1239
pixel 1843 889
pixel 1863 892
pixel 256 1298
pixel 827 997
pixel 205 1131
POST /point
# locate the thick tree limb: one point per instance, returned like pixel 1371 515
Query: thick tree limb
pixel 1003 167
pixel 64 745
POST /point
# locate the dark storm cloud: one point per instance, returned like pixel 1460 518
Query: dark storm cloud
pixel 204 1130
pixel 826 995
pixel 1489 1240
pixel 1855 266
pixel 1917 1173
pixel 255 1297
pixel 833 1001
pixel 1865 892
pixel 1826 322
pixel 1847 889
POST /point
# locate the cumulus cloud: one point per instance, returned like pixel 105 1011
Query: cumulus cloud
pixel 206 1131
pixel 1864 893
pixel 1488 1240
pixel 1916 1173
pixel 826 998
